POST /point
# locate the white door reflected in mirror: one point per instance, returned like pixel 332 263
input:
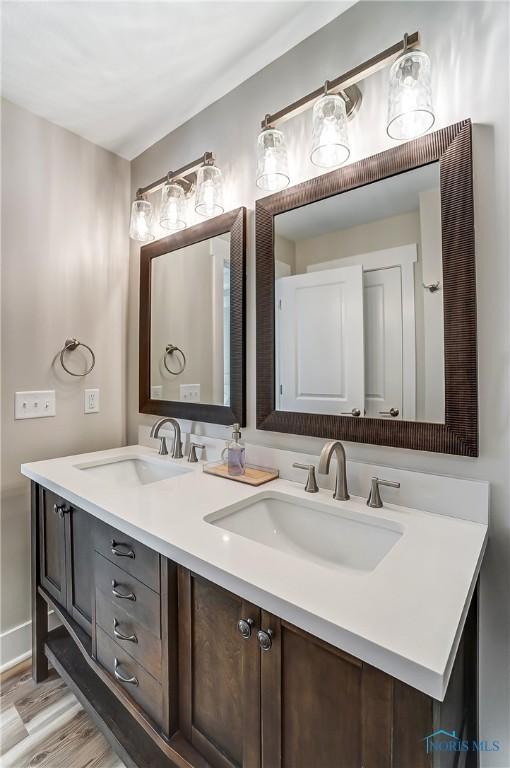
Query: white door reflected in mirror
pixel 358 331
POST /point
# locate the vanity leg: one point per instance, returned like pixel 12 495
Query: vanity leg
pixel 39 607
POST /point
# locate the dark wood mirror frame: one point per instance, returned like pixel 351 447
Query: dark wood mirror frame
pixel 235 223
pixel 450 146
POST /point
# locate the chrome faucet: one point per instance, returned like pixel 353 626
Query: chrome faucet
pixel 335 447
pixel 176 445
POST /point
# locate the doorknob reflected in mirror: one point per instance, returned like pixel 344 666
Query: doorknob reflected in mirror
pixel 354 412
pixel 393 412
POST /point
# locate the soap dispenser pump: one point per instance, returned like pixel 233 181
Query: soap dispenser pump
pixel 236 453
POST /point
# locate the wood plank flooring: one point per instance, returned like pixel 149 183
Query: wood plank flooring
pixel 45 726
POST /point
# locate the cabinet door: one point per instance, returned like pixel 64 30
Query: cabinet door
pixel 322 707
pixel 311 701
pixel 219 674
pixel 79 564
pixel 52 560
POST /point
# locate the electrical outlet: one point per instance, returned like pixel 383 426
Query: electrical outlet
pixel 91 401
pixel 190 393
pixel 34 405
pixel 157 392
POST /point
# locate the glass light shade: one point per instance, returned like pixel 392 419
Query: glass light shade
pixel 141 219
pixel 173 206
pixel 410 110
pixel 272 163
pixel 209 194
pixel 330 138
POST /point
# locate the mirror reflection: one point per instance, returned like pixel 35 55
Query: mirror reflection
pixel 190 323
pixel 359 302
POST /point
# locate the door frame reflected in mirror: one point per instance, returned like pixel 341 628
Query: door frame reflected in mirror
pixel 233 222
pixel 451 148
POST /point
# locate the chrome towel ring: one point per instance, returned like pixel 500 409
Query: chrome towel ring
pixel 69 346
pixel 170 350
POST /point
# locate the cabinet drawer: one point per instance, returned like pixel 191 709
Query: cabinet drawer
pixel 133 557
pixel 144 646
pixel 122 589
pixel 143 689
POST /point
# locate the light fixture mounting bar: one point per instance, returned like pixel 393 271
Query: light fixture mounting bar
pixel 206 159
pixel 342 82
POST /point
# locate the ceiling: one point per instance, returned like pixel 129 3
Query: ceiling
pixel 124 74
pixel 372 202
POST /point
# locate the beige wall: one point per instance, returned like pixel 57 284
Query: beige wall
pixel 65 208
pixel 465 41
pixel 364 238
pixel 182 314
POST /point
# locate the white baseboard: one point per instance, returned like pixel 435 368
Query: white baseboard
pixel 16 643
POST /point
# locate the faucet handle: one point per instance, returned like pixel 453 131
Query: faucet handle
pixel 192 455
pixel 374 497
pixel 311 482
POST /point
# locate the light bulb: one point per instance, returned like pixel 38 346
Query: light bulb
pixel 140 223
pixel 172 214
pixel 209 195
pixel 410 110
pixel 330 141
pixel 272 164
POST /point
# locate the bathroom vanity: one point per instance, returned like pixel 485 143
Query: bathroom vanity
pixel 194 641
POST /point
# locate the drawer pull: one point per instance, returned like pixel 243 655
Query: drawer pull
pixel 132 638
pixel 122 679
pixel 119 553
pixel 116 593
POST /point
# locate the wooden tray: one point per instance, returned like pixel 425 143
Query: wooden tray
pixel 252 476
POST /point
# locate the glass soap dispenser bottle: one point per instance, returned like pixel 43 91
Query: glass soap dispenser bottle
pixel 236 453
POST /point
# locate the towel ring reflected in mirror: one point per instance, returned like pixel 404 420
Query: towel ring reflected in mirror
pixel 170 350
pixel 69 346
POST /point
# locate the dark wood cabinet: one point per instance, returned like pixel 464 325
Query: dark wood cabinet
pixel 65 560
pixel 52 545
pixel 207 679
pixel 219 673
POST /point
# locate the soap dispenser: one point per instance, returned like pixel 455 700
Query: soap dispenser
pixel 236 453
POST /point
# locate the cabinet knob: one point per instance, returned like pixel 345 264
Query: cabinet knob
pixel 265 638
pixel 61 509
pixel 244 626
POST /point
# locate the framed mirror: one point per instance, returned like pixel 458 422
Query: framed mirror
pixel 192 322
pixel 366 301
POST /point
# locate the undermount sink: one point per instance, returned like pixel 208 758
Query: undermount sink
pixel 335 538
pixel 132 471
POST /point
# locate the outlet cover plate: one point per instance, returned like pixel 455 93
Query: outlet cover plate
pixel 91 401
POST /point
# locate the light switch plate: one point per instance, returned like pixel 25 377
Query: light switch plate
pixel 157 392
pixel 35 405
pixel 190 393
pixel 91 401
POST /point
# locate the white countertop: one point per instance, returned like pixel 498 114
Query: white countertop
pixel 405 617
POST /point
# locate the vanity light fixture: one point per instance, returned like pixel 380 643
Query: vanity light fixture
pixel 141 220
pixel 272 162
pixel 410 112
pixel 176 188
